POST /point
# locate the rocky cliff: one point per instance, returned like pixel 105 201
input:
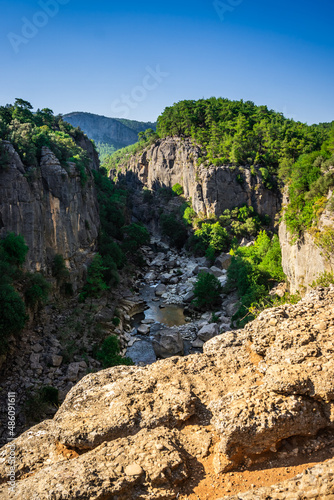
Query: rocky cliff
pixel 305 259
pixel 258 398
pixel 211 189
pixel 50 207
pixel 116 132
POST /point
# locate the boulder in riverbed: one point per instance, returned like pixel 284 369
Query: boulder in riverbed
pixel 167 343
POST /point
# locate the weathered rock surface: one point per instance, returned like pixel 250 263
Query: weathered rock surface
pixel 128 432
pixel 212 189
pixel 303 260
pixel 167 343
pixel 50 208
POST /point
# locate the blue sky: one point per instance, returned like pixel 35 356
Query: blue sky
pixel 99 56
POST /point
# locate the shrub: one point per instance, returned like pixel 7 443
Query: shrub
pixel 109 353
pixel 174 229
pixel 95 285
pixel 189 215
pixel 177 189
pixel 324 279
pixel 253 272
pixel 37 290
pixel 207 290
pixel 136 235
pixel 15 249
pixel 59 269
pixel 12 314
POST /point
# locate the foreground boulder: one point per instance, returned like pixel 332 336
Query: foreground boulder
pixel 135 432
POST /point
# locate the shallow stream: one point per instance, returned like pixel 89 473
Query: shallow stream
pixel 169 315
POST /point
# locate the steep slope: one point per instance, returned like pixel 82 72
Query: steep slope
pixel 304 260
pixel 140 433
pixel 211 189
pixel 50 208
pixel 112 131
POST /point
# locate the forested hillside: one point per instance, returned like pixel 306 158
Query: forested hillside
pixel 241 133
pixel 109 134
pixel 29 132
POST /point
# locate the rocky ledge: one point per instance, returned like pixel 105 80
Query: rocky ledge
pixel 138 432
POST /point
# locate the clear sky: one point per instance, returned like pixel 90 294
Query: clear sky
pixel 132 59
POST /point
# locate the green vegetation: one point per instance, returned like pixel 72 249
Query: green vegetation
pixel 109 353
pixel 104 149
pixel 309 180
pixel 14 249
pixel 207 290
pixel 177 189
pixel 118 241
pixel 36 290
pixel 241 133
pixel 95 284
pixel 135 236
pixel 253 272
pixel 12 316
pixel 145 139
pixel 324 279
pixel 173 227
pixel 213 236
pixel 29 132
pixel 59 269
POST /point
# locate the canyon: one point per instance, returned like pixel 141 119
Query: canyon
pixel 240 402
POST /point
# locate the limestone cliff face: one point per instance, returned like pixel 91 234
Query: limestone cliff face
pixel 212 189
pixel 303 261
pixel 50 208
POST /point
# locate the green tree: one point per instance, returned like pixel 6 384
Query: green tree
pixel 12 314
pixel 109 353
pixel 207 290
pixel 95 285
pixel 15 249
pixel 37 290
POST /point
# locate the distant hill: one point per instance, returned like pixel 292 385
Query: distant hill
pixel 109 134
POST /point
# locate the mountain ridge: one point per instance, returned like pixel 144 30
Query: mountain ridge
pixel 104 130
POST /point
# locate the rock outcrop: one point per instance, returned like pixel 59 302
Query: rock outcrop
pixel 304 260
pixel 211 189
pixel 50 207
pixel 132 432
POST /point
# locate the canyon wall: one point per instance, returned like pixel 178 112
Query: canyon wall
pixel 211 189
pixel 304 260
pixel 51 207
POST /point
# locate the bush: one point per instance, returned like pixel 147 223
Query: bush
pixel 59 269
pixel 15 249
pixel 189 215
pixel 324 279
pixel 207 290
pixel 174 229
pixel 95 285
pixel 37 290
pixel 177 189
pixel 12 314
pixel 136 235
pixel 109 353
pixel 253 272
